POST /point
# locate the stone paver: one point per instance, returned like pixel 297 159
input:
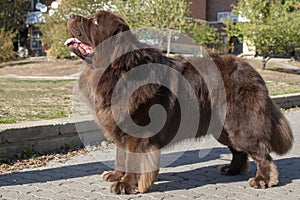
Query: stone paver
pixel 191 176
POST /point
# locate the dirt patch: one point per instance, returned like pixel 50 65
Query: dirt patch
pixel 275 71
pixel 48 66
pixel 11 165
pixel 41 66
pixel 278 81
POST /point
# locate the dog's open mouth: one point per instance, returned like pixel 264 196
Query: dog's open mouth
pixel 85 49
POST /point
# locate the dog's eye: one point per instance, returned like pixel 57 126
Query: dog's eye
pixel 95 21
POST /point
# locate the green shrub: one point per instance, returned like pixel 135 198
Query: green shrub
pixel 29 152
pixel 55 34
pixel 6 46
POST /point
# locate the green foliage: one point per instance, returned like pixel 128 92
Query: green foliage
pixel 55 38
pixel 6 45
pixel 167 14
pixel 13 13
pixel 203 33
pixel 159 14
pixel 273 26
pixel 12 22
pixel 139 14
pixel 29 152
pixel 8 120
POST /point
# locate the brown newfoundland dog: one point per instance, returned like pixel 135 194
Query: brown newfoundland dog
pixel 252 125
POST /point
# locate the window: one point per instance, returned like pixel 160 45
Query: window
pixel 35 41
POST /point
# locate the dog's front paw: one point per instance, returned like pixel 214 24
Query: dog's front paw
pixel 123 188
pixel 260 183
pixel 111 176
pixel 257 183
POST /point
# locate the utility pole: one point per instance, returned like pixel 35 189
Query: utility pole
pixel 32 5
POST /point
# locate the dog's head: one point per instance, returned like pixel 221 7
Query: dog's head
pixel 87 33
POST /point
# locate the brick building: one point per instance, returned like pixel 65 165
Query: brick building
pixel 213 11
pixel 210 10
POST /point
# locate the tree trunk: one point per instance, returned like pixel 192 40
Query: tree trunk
pixel 264 63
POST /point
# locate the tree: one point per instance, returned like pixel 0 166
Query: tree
pixel 13 14
pixel 203 33
pixel 6 46
pixel 271 26
pixel 12 23
pixel 168 14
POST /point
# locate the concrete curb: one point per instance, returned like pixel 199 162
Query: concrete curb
pixel 51 135
pixel 48 135
pixel 288 100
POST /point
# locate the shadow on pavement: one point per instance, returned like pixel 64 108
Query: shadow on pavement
pixel 289 169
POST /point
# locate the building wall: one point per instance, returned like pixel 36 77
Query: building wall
pixel 198 9
pixel 215 6
pixel 208 10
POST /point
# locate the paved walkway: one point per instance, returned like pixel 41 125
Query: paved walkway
pixel 286 65
pixel 192 176
pixel 40 78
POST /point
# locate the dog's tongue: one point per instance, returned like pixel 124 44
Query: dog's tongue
pixel 75 43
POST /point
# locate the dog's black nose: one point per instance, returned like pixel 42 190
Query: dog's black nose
pixel 72 16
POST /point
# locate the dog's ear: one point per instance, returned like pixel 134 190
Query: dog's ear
pixel 122 27
pixel 121 32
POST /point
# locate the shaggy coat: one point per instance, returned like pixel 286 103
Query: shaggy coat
pixel 253 125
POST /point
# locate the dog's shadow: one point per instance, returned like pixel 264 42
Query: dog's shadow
pixel 289 170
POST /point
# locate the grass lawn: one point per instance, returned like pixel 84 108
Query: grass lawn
pixel 28 100
pixel 278 82
pixel 277 88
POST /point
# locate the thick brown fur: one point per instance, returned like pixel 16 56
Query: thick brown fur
pixel 254 126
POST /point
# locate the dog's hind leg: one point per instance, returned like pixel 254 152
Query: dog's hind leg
pixel 238 165
pixel 267 174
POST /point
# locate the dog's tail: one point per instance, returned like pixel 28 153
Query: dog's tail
pixel 282 137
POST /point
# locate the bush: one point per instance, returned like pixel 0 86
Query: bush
pixel 6 46
pixel 55 34
pixel 220 48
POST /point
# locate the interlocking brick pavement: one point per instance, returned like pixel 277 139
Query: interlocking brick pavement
pixel 192 176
